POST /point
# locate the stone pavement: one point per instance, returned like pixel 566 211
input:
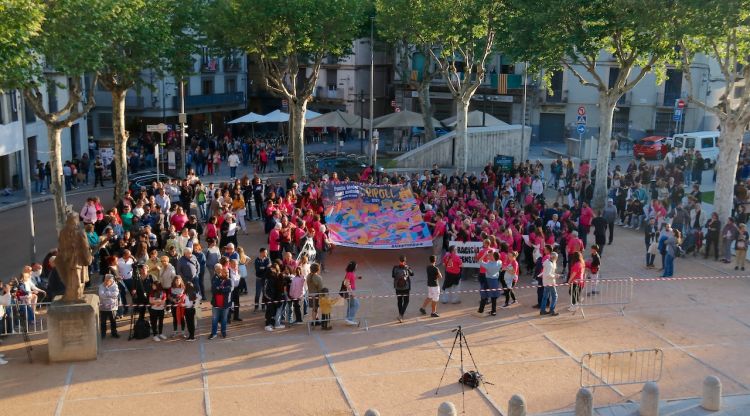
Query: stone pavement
pixel 703 327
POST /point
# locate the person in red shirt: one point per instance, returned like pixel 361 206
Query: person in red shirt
pixel 453 265
pixel 274 242
pixel 584 222
pixel 484 294
pixel 438 234
pixel 576 279
pixel 575 245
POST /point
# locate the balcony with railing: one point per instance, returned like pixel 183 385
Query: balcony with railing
pixel 625 100
pixel 556 96
pixel 232 64
pixel 211 100
pixel 667 98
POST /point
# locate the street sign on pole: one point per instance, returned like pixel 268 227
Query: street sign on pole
pixel 581 128
pixel 680 103
pixel 160 128
pixel 581 120
pixel 581 111
pixel 677 114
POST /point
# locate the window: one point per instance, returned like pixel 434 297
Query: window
pixel 672 87
pixel 207 86
pixel 28 113
pixel 13 106
pixel 52 97
pixel 331 79
pixel 707 142
pixel 614 72
pixel 230 84
pixel 105 121
pixel 689 142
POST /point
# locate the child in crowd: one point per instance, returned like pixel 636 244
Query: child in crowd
pixel 157 300
pixel 510 277
pixel 592 268
pixel 190 300
pixel 326 306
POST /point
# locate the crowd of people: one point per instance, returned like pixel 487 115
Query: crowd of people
pixel 154 250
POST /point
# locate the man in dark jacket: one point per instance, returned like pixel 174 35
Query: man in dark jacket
pixel 262 264
pixel 402 274
pixel 600 230
pixel 55 285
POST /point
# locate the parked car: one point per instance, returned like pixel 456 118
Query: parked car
pixel 342 166
pixel 706 142
pixel 651 147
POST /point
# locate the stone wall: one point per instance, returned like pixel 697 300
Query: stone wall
pixel 484 144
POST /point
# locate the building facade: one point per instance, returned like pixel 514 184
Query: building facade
pixel 74 139
pixel 214 94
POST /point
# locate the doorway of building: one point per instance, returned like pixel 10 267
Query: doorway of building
pixel 551 127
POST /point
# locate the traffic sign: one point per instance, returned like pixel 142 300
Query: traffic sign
pixel 393 103
pixel 284 103
pixel 680 103
pixel 160 128
pixel 581 120
pixel 677 114
pixel 581 111
pixel 581 128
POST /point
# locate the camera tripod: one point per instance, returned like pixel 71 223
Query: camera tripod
pixel 460 339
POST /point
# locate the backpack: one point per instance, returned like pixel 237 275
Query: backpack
pixel 141 329
pixel 401 278
pixel 471 379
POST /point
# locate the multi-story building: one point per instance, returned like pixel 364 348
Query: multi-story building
pixel 214 94
pixel 343 84
pixel 74 139
pixel 647 109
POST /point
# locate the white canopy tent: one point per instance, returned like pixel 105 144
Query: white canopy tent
pixel 249 118
pixel 402 118
pixel 475 120
pixel 338 119
pixel 277 116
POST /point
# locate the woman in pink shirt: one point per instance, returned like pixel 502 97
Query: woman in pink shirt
pixel 576 280
pixel 179 219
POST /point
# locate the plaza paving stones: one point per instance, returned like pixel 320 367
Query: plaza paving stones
pixel 703 326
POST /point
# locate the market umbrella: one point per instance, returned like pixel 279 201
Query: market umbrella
pixel 249 118
pixel 338 119
pixel 402 118
pixel 277 116
pixel 475 120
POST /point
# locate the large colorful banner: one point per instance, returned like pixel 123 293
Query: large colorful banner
pixel 374 216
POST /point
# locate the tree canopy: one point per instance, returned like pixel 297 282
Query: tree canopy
pixel 639 35
pixel 288 36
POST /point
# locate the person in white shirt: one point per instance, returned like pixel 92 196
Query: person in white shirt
pixel 549 281
pixel 233 161
pixel 537 186
pixel 162 200
pixel 125 266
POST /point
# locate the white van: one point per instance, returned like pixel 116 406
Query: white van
pixel 706 142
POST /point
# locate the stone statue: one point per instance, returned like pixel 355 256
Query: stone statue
pixel 73 259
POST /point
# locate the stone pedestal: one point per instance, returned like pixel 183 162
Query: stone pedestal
pixel 73 330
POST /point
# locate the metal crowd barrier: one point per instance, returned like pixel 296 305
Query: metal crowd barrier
pixel 606 292
pixel 602 369
pixel 338 312
pixel 23 318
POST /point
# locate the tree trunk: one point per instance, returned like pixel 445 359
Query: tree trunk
pixel 297 122
pixel 56 186
pixel 290 129
pixel 726 168
pixel 607 109
pixel 426 107
pixel 462 137
pixel 121 143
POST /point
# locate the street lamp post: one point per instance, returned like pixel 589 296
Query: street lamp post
pixel 361 121
pixel 183 133
pixel 27 181
pixel 372 87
